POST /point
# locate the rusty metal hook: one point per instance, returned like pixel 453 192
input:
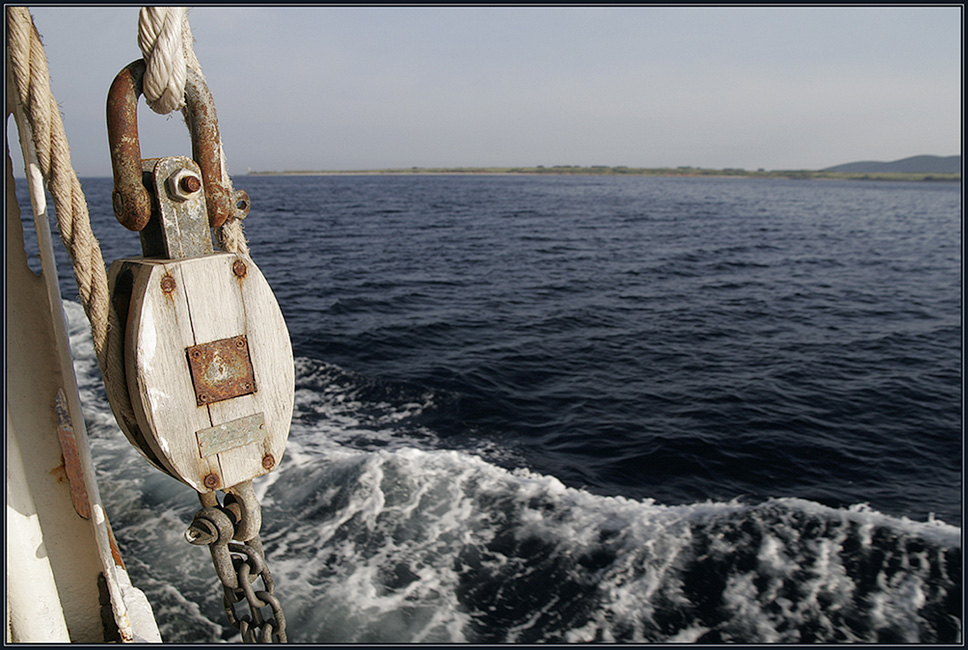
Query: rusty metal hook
pixel 132 202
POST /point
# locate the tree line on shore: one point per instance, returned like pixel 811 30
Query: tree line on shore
pixel 605 170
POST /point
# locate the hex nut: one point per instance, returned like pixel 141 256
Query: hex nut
pixel 184 184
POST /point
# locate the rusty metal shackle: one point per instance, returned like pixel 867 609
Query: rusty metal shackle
pixel 131 200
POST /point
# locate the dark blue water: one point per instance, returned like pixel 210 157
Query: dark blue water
pixel 678 339
pixel 702 409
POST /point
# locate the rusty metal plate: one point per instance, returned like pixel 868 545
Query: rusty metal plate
pixel 230 435
pixel 221 370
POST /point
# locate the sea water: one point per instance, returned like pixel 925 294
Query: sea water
pixel 577 408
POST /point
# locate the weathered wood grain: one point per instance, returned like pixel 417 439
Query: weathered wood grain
pixel 178 304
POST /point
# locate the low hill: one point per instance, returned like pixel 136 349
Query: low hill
pixel 912 165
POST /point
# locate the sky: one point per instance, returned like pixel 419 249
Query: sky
pixel 355 88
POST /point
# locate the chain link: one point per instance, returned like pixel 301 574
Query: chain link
pixel 240 563
pixel 249 563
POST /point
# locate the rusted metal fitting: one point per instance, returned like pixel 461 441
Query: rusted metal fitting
pixel 242 204
pixel 212 526
pixel 211 481
pixel 183 184
pixel 268 461
pixel 238 267
pixel 205 147
pixel 221 370
pixel 202 532
pixel 167 283
pixel 131 199
pixel 132 204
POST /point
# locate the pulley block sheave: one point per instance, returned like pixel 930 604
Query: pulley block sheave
pixel 208 359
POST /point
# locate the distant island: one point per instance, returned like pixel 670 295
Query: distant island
pixel 917 168
pixel 912 165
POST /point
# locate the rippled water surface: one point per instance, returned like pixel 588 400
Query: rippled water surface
pixel 591 409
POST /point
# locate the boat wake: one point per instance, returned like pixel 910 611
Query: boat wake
pixel 376 533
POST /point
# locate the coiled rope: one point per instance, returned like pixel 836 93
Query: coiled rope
pixel 161 26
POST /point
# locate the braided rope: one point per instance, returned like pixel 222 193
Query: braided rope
pixel 160 38
pixel 32 81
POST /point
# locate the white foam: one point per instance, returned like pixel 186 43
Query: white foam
pixel 376 535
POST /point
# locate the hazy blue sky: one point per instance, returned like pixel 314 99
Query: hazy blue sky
pixel 366 88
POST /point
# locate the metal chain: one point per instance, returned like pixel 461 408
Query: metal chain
pixel 241 562
pixel 257 628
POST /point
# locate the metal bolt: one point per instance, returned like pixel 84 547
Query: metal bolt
pixel 167 283
pixel 211 481
pixel 268 461
pixel 190 184
pixel 239 268
pixel 184 184
pixel 240 342
pixel 202 532
pixel 203 398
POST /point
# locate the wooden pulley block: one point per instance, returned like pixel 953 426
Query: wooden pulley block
pixel 208 358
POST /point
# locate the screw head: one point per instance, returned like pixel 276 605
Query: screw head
pixel 211 481
pixel 238 267
pixel 167 283
pixel 268 461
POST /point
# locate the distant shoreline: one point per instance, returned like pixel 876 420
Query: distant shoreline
pixel 598 170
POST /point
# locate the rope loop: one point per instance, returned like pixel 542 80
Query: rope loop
pixel 161 37
pixel 166 42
